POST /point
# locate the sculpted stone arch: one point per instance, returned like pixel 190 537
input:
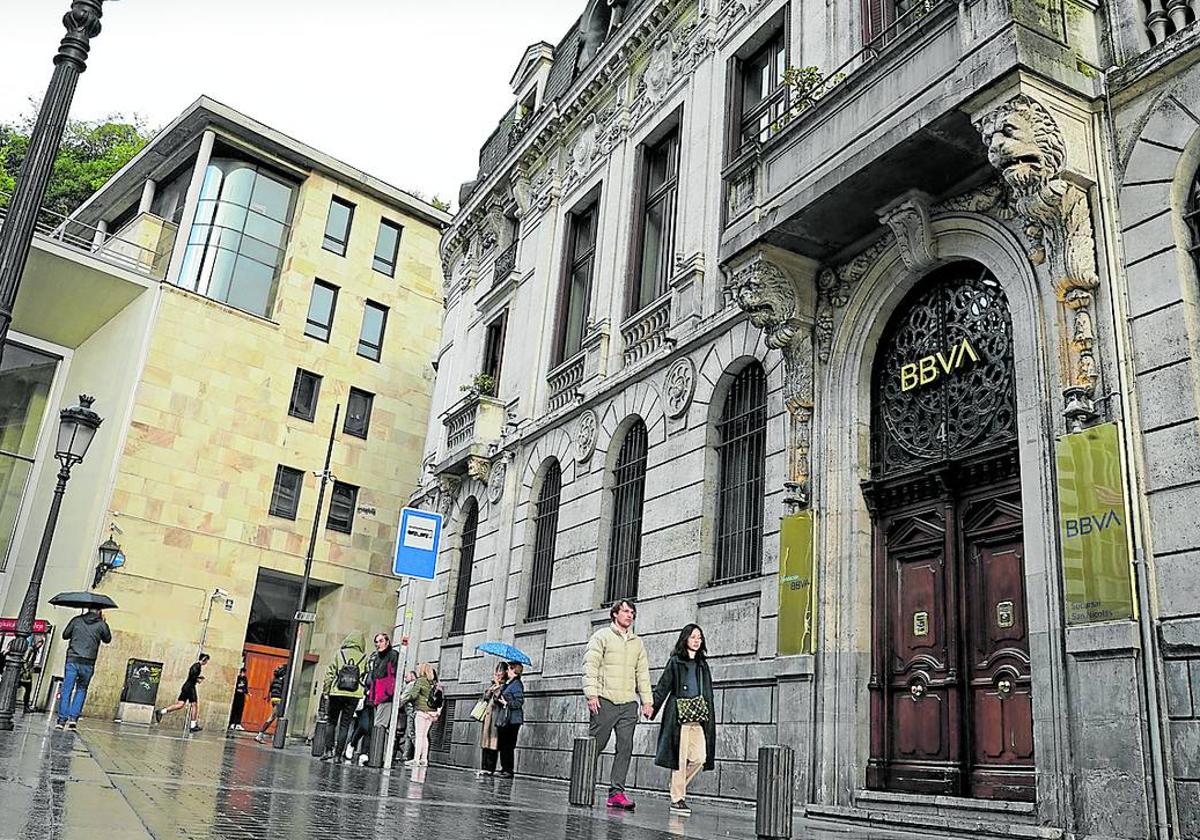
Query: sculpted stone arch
pixel 741 342
pixel 641 400
pixel 557 444
pixel 842 460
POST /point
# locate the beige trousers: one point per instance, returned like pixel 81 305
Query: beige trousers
pixel 693 750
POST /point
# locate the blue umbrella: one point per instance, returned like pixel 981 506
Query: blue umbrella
pixel 506 652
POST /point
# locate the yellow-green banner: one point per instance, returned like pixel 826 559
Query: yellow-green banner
pixel 796 602
pixel 1093 523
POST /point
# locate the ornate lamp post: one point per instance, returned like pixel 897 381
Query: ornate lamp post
pixel 82 23
pixel 76 428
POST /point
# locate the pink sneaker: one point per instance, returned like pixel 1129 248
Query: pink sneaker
pixel 620 800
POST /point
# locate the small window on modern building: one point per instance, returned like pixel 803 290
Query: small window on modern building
pixel 358 413
pixel 493 349
pixel 337 226
pixel 321 307
pixel 545 537
pixel 628 495
pixel 577 281
pixel 741 484
pixel 387 246
pixel 305 390
pixel 1191 218
pixel 760 77
pixel 656 231
pixel 466 566
pixel 342 502
pixel 285 497
pixel 370 338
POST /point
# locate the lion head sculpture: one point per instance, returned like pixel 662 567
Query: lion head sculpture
pixel 1024 143
pixel 767 295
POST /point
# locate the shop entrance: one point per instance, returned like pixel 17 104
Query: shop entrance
pixel 951 704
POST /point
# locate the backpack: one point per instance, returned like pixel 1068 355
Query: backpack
pixel 348 676
pixel 435 698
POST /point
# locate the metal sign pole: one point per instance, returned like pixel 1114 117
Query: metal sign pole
pixel 401 625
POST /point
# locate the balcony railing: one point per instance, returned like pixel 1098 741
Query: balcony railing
pixel 473 425
pixel 1166 17
pixel 565 380
pixel 118 250
pixel 506 264
pixel 646 331
pixel 460 425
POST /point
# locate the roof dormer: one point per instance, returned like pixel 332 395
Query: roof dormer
pixel 529 81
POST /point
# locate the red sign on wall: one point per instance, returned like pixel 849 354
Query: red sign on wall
pixel 9 625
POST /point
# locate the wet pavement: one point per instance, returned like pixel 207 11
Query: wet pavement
pixel 131 783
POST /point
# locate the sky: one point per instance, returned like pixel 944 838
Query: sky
pixel 407 90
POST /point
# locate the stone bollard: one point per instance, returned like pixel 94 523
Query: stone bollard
pixel 583 772
pixel 776 778
pixel 379 737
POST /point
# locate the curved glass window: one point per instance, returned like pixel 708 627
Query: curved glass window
pixel 236 243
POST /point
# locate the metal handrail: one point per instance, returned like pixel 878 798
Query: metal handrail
pixel 786 103
pixel 56 226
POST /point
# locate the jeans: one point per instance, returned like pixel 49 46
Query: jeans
pixel 623 718
pixel 76 678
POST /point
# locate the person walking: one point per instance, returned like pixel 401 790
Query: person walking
pixel 510 717
pixel 275 695
pixel 344 681
pixel 426 698
pixel 489 736
pixel 85 633
pixel 188 696
pixel 687 738
pixel 240 689
pixel 29 665
pixel 409 710
pixel 616 673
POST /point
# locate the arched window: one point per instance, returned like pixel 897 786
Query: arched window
pixel 741 455
pixel 1191 216
pixel 545 535
pixel 625 542
pixel 466 564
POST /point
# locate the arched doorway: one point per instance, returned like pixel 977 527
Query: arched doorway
pixel 951 704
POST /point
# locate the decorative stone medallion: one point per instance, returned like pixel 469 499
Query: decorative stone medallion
pixel 680 386
pixel 496 480
pixel 587 429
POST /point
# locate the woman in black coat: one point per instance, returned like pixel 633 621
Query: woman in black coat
pixel 687 740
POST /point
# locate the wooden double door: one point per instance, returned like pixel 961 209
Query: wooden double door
pixel 951 697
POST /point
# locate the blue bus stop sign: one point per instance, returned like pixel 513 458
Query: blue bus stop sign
pixel 417 544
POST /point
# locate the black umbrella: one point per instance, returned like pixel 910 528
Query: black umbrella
pixel 84 601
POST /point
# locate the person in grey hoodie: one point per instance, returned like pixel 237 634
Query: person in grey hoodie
pixel 85 633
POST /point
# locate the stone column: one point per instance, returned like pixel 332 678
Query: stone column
pixel 148 190
pixel 203 156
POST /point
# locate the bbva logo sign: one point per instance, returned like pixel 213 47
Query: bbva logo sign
pixel 1091 524
pixel 929 368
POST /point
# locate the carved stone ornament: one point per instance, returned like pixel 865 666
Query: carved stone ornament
pixel 447 492
pixel 908 219
pixel 680 386
pixel 522 190
pixel 587 429
pixel 1027 147
pixel 585 150
pixel 495 481
pixel 479 468
pixel 834 287
pixel 492 228
pixel 769 296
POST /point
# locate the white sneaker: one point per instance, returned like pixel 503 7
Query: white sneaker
pixel 362 760
pixel 413 763
pixel 260 738
pixel 349 753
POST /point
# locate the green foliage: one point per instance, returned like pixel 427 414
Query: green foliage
pixel 440 203
pixel 91 152
pixel 481 385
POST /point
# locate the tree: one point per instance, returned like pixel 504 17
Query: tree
pixel 91 152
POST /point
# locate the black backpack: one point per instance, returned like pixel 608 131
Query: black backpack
pixel 348 676
pixel 435 698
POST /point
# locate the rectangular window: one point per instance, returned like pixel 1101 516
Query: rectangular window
pixel 577 284
pixel 659 190
pixel 759 81
pixel 305 391
pixel 358 413
pixel 493 350
pixel 321 307
pixel 285 498
pixel 341 507
pixel 370 339
pixel 387 245
pixel 337 226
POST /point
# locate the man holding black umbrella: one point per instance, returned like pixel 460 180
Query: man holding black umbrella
pixel 85 633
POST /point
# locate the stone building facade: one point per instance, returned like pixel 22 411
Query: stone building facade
pixel 754 298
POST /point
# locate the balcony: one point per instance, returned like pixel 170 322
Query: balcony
pixel 473 429
pixel 1165 18
pixel 564 381
pixel 816 161
pixel 506 264
pixel 646 331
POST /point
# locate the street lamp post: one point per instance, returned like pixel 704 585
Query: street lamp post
pixel 76 428
pixel 82 23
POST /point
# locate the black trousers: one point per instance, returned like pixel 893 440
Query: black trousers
pixel 362 729
pixel 489 760
pixel 507 737
pixel 239 706
pixel 341 716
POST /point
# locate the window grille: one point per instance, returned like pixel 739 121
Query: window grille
pixel 545 527
pixel 441 735
pixel 625 541
pixel 1191 218
pixel 466 563
pixel 741 452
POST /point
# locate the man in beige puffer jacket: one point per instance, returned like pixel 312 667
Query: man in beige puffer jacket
pixel 616 672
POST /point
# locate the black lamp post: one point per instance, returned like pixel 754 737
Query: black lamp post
pixel 82 23
pixel 76 428
pixel 109 551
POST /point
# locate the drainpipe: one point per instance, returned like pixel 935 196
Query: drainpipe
pixel 1141 569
